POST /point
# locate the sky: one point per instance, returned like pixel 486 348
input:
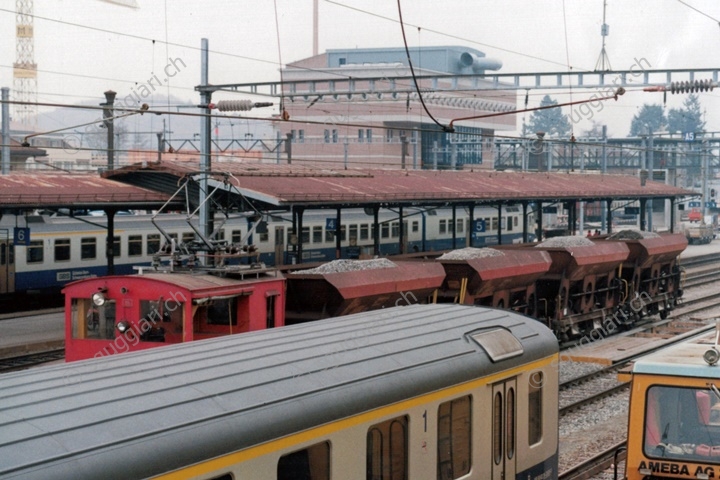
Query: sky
pixel 85 47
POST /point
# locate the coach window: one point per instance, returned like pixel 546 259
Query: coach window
pixel 188 237
pixel 364 231
pixel 415 226
pixel 535 407
pixel 312 463
pixel 442 228
pixel 305 235
pixel 317 236
pixel 153 243
pixel 236 236
pixel 88 248
pixel 460 225
pixel 387 450
pixel 62 249
pixel 135 245
pixel 385 230
pixel 353 231
pixel 117 251
pixel 395 229
pixel 453 442
pixel 34 252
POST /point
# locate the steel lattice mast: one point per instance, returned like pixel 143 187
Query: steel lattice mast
pixel 25 68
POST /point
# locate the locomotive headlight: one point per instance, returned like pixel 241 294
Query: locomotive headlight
pixel 123 326
pixel 711 356
pixel 98 298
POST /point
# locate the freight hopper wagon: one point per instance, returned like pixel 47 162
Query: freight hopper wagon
pixel 494 278
pixel 651 276
pixel 579 293
pixel 674 415
pixel 343 287
pixel 116 314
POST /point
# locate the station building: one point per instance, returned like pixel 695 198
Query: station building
pixel 382 126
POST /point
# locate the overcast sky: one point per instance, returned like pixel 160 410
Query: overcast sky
pixel 84 47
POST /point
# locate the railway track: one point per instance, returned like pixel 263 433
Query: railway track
pixel 596 464
pixel 22 362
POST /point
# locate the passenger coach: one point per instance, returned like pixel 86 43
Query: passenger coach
pixel 415 392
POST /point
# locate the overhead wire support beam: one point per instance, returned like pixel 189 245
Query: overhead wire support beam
pixel 639 75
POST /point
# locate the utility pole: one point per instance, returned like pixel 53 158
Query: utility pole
pixel 5 131
pixel 205 213
pixel 109 125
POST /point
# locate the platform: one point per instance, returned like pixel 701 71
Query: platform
pixel 31 334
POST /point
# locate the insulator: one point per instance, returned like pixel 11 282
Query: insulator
pixel 692 86
pixel 234 105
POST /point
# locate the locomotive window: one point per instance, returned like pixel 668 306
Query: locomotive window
pixel 62 249
pixel 535 410
pixel 88 248
pixel 34 252
pixel 135 245
pixel 387 450
pixel 312 463
pixel 221 312
pixel 90 321
pixel 682 423
pixel 153 243
pixel 161 321
pixel 453 442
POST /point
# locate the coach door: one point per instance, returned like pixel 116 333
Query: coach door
pixel 504 412
pixel 7 266
pixel 279 245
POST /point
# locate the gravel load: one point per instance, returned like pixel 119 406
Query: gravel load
pixel 562 242
pixel 340 266
pixel 632 235
pixel 469 253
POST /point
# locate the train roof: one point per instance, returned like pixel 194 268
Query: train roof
pixel 684 360
pixel 144 413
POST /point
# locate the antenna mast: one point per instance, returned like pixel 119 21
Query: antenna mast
pixel 603 63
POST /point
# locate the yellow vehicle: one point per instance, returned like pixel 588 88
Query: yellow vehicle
pixel 674 419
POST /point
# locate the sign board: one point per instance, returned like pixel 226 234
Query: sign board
pixel 689 136
pixel 694 204
pixel 479 226
pixel 330 224
pixel 21 236
pixel 712 204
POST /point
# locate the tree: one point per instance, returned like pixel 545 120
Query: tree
pixel 687 119
pixel 551 120
pixel 649 116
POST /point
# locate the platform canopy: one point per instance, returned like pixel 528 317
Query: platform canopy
pixel 23 191
pixel 271 186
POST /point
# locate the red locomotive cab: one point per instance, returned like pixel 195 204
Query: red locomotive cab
pixel 117 314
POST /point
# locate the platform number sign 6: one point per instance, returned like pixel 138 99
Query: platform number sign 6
pixel 21 236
